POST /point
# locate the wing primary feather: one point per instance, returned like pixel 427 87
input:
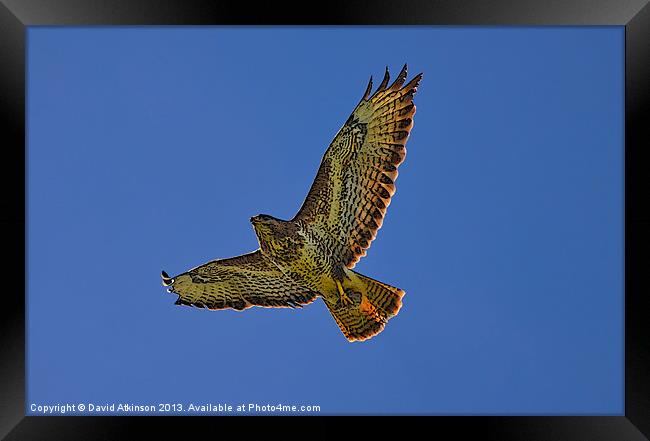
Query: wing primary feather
pixel 401 77
pixel 384 82
pixel 368 89
pixel 166 279
pixel 415 82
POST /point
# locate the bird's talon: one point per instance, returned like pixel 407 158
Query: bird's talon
pixel 344 297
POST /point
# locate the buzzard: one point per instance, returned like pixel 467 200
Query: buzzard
pixel 312 255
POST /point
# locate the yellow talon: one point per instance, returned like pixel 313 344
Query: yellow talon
pixel 344 297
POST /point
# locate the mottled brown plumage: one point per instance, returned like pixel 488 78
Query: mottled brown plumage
pixel 313 254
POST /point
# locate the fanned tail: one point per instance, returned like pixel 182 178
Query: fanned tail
pixel 373 304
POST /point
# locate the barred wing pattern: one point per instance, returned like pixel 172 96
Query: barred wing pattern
pixel 355 182
pixel 238 283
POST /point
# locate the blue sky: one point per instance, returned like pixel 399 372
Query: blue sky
pixel 150 148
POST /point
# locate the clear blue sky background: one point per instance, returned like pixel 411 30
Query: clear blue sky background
pixel 150 148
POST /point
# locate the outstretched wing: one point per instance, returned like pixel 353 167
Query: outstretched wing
pixel 356 179
pixel 238 283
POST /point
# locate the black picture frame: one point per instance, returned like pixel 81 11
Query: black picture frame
pixel 17 15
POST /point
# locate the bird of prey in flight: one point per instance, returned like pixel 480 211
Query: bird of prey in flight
pixel 313 254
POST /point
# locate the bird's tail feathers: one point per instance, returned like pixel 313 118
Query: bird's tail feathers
pixel 373 304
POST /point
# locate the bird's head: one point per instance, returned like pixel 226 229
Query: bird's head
pixel 264 219
pixel 265 224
